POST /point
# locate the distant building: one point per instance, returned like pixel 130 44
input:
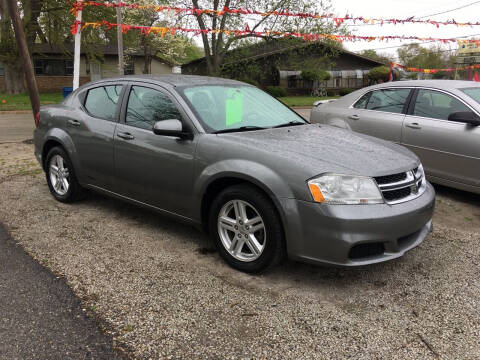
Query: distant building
pixel 54 66
pixel 281 63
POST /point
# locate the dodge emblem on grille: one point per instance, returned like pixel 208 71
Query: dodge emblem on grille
pixel 414 189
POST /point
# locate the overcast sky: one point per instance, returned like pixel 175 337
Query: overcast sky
pixel 403 9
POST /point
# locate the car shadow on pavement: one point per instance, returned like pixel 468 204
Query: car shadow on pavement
pixel 288 275
pixel 457 195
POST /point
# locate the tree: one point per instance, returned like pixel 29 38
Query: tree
pixel 418 56
pixel 372 54
pixel 14 76
pixel 217 43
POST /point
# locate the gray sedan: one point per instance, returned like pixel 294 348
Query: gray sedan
pixel 230 159
pixel 439 120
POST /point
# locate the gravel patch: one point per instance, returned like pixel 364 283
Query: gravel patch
pixel 164 294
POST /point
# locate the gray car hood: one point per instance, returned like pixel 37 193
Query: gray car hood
pixel 322 148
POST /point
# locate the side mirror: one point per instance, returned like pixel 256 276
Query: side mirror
pixel 171 127
pixel 467 117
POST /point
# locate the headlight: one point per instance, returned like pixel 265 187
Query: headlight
pixel 345 189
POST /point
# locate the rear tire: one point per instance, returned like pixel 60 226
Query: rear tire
pixel 61 178
pixel 246 229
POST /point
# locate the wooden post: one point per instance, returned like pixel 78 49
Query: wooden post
pixel 77 49
pixel 25 58
pixel 120 41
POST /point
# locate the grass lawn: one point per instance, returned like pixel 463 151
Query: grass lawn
pixel 22 101
pixel 303 100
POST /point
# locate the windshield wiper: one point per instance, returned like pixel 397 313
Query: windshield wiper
pixel 291 123
pixel 239 129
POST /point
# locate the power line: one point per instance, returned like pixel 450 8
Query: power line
pixel 425 16
pixel 447 11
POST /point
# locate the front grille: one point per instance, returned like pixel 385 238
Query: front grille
pixel 397 194
pixel 388 179
pixel 401 186
pixel 361 251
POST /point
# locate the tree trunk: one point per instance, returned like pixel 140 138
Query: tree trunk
pixel 14 79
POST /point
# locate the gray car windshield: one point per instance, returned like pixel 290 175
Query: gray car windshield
pixel 473 92
pixel 228 107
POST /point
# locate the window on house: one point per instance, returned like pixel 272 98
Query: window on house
pixel 129 68
pixel 53 67
pixel 2 72
pixel 292 81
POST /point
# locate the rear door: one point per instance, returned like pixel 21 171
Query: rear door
pixel 92 131
pixel 448 150
pixel 154 169
pixel 379 113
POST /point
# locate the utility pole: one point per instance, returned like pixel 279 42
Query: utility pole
pixel 76 52
pixel 120 40
pixel 25 58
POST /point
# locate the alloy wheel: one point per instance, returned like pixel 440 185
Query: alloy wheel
pixel 59 175
pixel 241 230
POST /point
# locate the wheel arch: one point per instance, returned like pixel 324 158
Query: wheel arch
pixel 58 137
pixel 226 179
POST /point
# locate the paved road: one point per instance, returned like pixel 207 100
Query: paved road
pixel 19 127
pixel 16 127
pixel 40 318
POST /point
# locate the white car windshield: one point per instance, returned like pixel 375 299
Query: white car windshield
pixel 473 92
pixel 223 108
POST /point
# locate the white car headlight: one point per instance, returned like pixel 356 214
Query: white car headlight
pixel 345 189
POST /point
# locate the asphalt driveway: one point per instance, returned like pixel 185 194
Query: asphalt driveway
pixel 40 316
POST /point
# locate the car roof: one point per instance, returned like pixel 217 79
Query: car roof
pixel 174 80
pixel 439 84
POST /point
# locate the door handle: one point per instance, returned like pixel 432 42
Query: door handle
pixel 354 117
pixel 74 122
pixel 125 135
pixel 413 126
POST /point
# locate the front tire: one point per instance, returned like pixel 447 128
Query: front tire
pixel 246 229
pixel 61 178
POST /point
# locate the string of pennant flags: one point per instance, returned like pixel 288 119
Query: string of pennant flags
pixel 432 71
pixel 77 6
pixel 162 31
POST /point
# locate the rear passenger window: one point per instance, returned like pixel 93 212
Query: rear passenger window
pixel 102 102
pixel 362 102
pixel 388 100
pixel 437 105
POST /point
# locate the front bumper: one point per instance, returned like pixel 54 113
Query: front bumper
pixel 353 235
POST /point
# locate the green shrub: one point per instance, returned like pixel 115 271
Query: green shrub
pixel 345 91
pixel 330 92
pixel 312 75
pixel 379 73
pixel 276 91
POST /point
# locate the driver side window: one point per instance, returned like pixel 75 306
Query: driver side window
pixel 437 105
pixel 147 106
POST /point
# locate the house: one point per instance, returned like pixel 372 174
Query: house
pixel 280 62
pixel 53 65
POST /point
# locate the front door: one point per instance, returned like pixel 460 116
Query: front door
pixel 154 169
pixel 92 131
pixel 379 113
pixel 449 150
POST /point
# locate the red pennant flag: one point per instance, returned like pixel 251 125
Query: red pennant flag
pixel 475 77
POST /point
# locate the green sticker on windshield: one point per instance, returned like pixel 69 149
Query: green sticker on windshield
pixel 233 107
